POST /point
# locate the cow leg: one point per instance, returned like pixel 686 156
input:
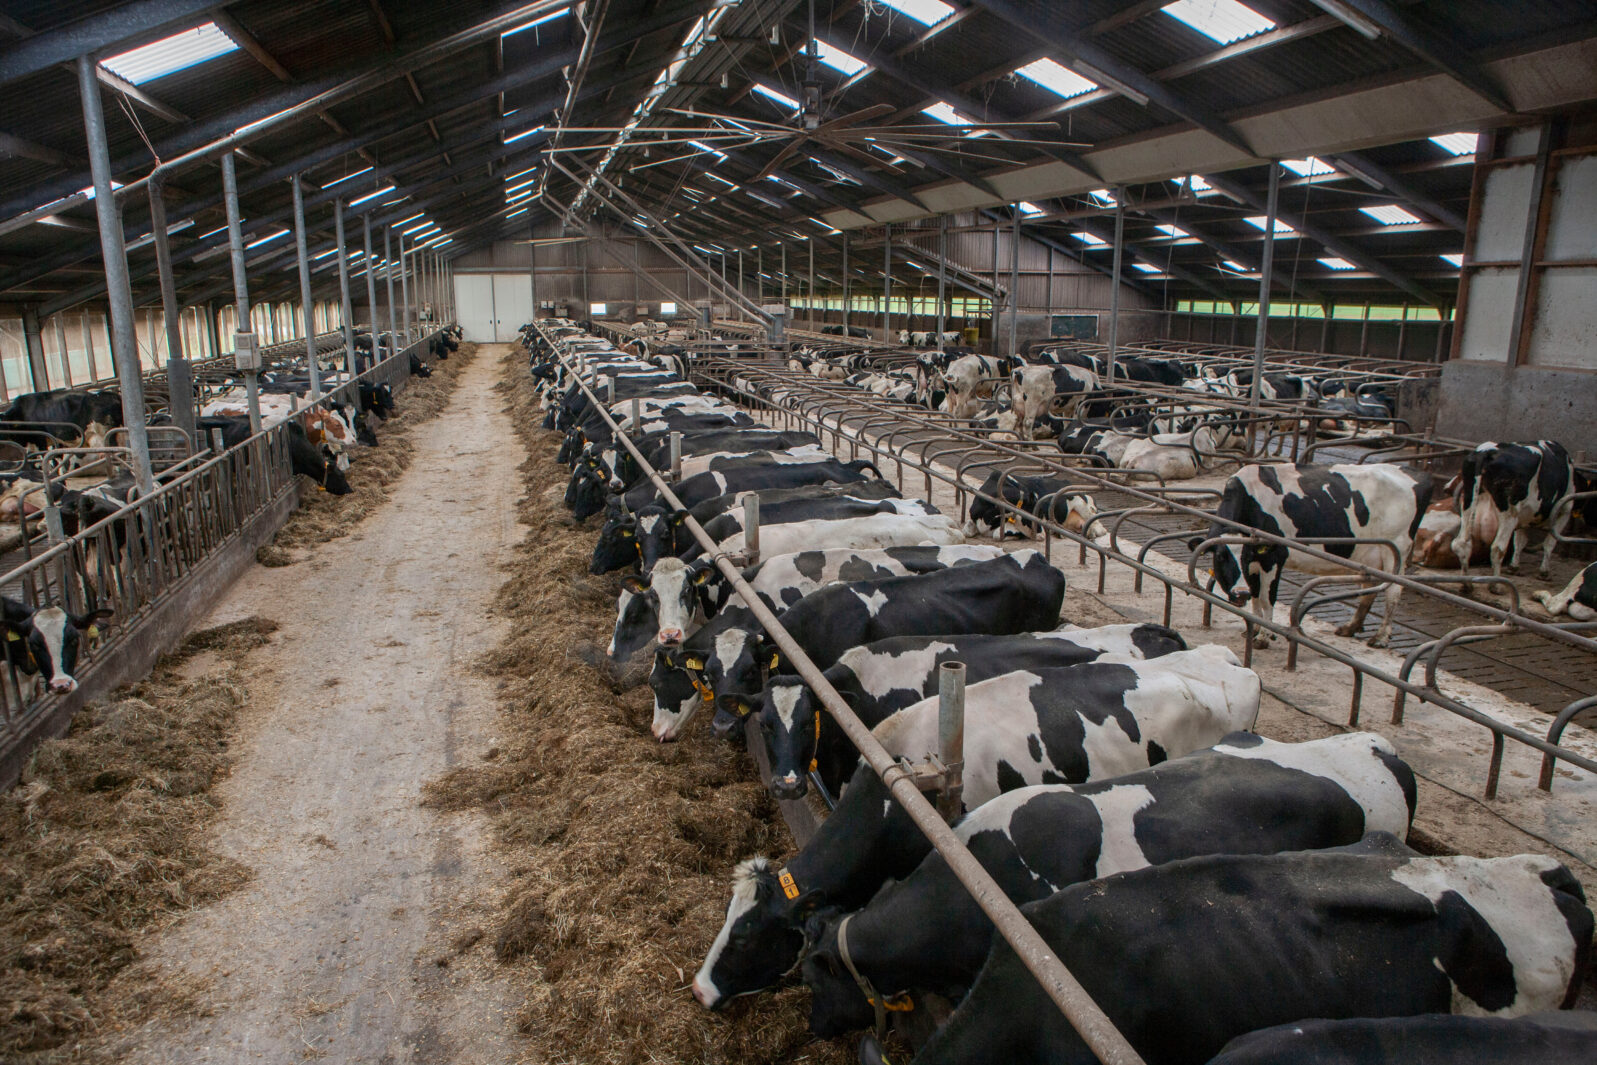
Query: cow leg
pixel 1507 530
pixel 1561 518
pixel 1581 612
pixel 1463 544
pixel 1359 613
pixel 1264 607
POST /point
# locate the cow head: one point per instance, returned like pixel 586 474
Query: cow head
pixel 735 673
pixel 790 720
pixel 679 690
pixel 837 1005
pixel 1076 511
pixel 617 545
pixel 1000 521
pixel 53 639
pixel 761 937
pixel 672 594
pixel 1239 570
pixel 659 534
pixel 586 494
pixel 570 447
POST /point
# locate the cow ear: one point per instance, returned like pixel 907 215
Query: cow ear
pixel 702 577
pixel 734 704
pixel 679 517
pixel 635 585
pixel 1192 544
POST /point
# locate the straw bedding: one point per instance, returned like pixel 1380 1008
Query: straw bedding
pixel 620 848
pixel 321 517
pixel 101 843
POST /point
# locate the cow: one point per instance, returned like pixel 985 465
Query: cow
pixel 304 457
pixel 46 642
pixel 1012 593
pixel 1146 370
pixel 1377 502
pixel 1578 599
pixel 70 415
pixel 419 368
pixel 1528 484
pixel 377 399
pixel 1047 722
pixel 1038 390
pixel 1275 385
pixel 1186 956
pixel 664 608
pixel 1433 540
pixel 1044 498
pixel 969 376
pixel 1564 1037
pixel 879 679
pixel 589 492
pixel 1245 795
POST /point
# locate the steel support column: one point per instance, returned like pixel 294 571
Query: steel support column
pixel 887 284
pixel 388 283
pixel 307 305
pixel 343 287
pixel 371 282
pixel 942 279
pixel 179 378
pixel 119 291
pixel 1256 393
pixel 241 289
pixel 404 286
pixel 35 342
pixel 1114 291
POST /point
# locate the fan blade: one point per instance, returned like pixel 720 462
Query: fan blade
pixel 726 118
pixel 780 157
pixel 864 113
pixel 844 148
pixel 922 127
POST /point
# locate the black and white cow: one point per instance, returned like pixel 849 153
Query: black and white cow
pixel 46 642
pixel 1038 390
pixel 1378 501
pixel 305 458
pixel 1056 726
pixel 666 606
pixel 879 679
pixel 1578 599
pixel 971 377
pixel 1564 1037
pixel 1245 795
pixel 1020 592
pixel 1048 498
pixel 1187 956
pixel 64 413
pixel 1528 484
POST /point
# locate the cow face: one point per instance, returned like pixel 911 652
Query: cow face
pixel 679 690
pixel 734 673
pixel 791 722
pixel 571 447
pixel 1239 570
pixel 1076 512
pixel 672 594
pixel 617 546
pixel 837 1005
pixel 658 534
pixel 53 639
pixel 760 939
pixel 586 495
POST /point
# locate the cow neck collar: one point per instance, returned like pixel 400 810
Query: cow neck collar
pixel 879 1005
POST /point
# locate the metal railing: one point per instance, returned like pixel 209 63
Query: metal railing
pixel 130 561
pixel 1083 1014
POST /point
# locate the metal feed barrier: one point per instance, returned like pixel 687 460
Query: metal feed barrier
pixel 1078 1007
pixel 146 561
pixel 862 423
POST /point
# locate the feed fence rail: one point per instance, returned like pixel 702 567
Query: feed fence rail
pixel 1083 1014
pixel 941 450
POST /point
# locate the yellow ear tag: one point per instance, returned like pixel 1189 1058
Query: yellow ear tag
pixel 789 888
pixel 94 632
pixel 11 635
pixel 694 663
pixel 775 658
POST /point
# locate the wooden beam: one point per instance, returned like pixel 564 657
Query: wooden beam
pixel 139 96
pixel 14 147
pixel 380 17
pixel 246 40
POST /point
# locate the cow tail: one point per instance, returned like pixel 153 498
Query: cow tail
pixel 1467 477
pixel 1424 489
pixel 861 465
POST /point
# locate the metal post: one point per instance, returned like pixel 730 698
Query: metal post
pixel 676 455
pixel 179 379
pixel 371 283
pixel 388 279
pixel 1267 264
pixel 1014 287
pixel 812 283
pixel 211 328
pixel 404 286
pixel 784 271
pixel 307 305
pixel 942 280
pixel 887 284
pixel 119 292
pixel 751 530
pixel 343 292
pixel 741 290
pixel 35 342
pixel 241 291
pixel 1114 291
pixel 845 285
pixel 637 415
pixel 61 342
pixel 759 274
pixel 951 737
pixel 532 265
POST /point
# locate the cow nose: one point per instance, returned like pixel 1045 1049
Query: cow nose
pixel 703 995
pixel 663 733
pixel 668 637
pixel 791 786
pixel 63 685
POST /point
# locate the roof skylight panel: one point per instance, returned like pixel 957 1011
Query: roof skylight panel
pixel 1057 79
pixel 1090 240
pixel 1334 263
pixel 1260 221
pixel 1145 268
pixel 839 60
pixel 1172 231
pixel 1455 143
pixel 1310 167
pixel 1029 209
pixel 926 12
pixel 1454 259
pixel 1223 21
pixel 171 54
pixel 942 112
pixel 1390 214
pixel 1103 196
pixel 534 23
pixel 771 94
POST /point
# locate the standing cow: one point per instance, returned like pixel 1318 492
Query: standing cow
pixel 1528 484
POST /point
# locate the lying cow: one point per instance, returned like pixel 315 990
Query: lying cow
pixel 1013 593
pixel 1578 599
pixel 1527 484
pixel 879 679
pixel 1378 502
pixel 926 932
pixel 1045 498
pixel 1187 956
pixel 1025 728
pixel 1562 1037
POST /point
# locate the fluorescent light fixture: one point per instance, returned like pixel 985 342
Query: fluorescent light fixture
pixel 325 254
pixel 371 196
pixel 534 23
pixel 524 133
pixel 926 12
pixel 839 60
pixel 346 177
pixel 1259 222
pixel 702 147
pixel 1390 214
pixel 517 211
pixel 1334 263
pixel 412 218
pixel 522 184
pixel 267 239
pixel 1145 268
pixel 520 173
pixel 1454 259
pixel 1223 21
pixel 1057 79
pixel 1310 167
pixel 1455 143
pixel 417 229
pixel 771 94
pixel 1237 267
pixel 171 54
pixel 1089 240
pixel 1172 231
